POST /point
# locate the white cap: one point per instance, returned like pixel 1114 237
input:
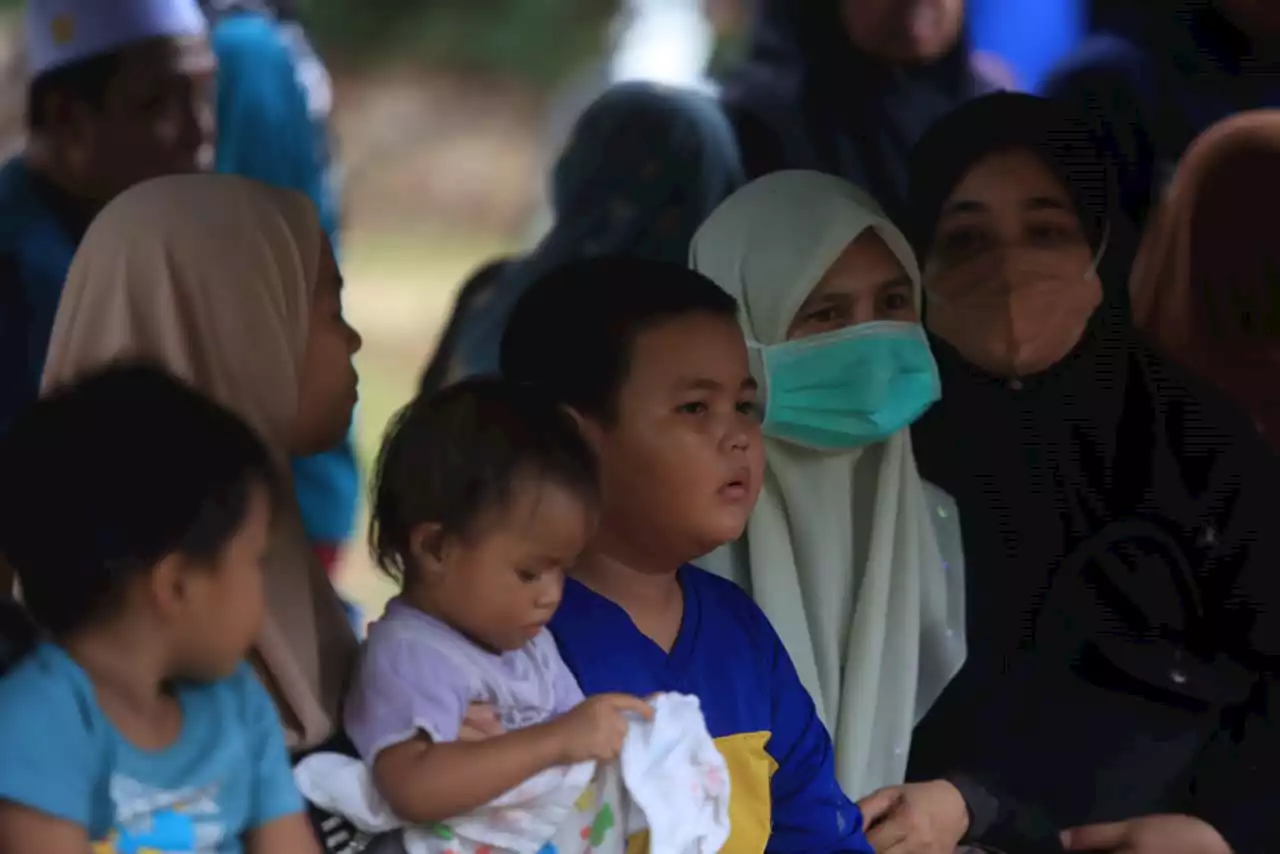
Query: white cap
pixel 61 32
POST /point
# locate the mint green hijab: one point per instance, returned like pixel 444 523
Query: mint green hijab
pixel 845 550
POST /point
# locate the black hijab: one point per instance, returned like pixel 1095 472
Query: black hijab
pixel 806 98
pixel 1117 525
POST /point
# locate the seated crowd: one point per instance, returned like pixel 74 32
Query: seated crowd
pixel 945 528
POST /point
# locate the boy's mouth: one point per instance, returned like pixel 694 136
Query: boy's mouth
pixel 737 488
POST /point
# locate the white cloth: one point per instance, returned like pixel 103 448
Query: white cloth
pixel 61 32
pixel 676 776
pixel 670 779
pixel 841 552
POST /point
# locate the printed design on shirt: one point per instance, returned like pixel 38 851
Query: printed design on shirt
pixel 521 716
pixel 751 771
pixel 594 834
pixel 158 821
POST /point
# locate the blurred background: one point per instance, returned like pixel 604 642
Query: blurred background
pixel 447 116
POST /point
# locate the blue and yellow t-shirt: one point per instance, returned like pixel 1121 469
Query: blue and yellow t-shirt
pixel 227 773
pixel 784 794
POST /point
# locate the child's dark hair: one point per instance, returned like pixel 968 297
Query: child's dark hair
pixel 456 458
pixel 571 334
pixel 85 81
pixel 107 476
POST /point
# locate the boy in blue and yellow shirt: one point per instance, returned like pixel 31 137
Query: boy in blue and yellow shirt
pixel 650 357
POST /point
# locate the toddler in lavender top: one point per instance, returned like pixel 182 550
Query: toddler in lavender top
pixel 485 494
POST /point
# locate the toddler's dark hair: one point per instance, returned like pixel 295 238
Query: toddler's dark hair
pixel 107 476
pixel 457 457
pixel 572 333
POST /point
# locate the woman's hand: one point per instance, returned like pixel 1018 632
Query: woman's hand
pixel 1151 834
pixel 481 722
pixel 915 818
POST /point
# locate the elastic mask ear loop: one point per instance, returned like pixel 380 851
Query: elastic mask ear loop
pixel 1102 251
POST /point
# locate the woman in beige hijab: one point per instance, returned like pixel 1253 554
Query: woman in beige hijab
pixel 1206 285
pixel 232 286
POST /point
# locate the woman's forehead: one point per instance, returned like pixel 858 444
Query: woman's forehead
pixel 1015 173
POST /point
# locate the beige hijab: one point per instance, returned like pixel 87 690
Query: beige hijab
pixel 212 276
pixel 844 552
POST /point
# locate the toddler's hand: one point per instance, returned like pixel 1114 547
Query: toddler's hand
pixel 596 727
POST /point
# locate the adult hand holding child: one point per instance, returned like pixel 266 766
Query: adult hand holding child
pixel 480 723
pixel 915 818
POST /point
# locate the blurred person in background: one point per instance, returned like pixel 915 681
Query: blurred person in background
pixel 1156 75
pixel 274 104
pixel 1205 287
pixel 1028 36
pixel 1206 292
pixel 650 41
pixel 846 87
pixel 117 93
pixel 645 166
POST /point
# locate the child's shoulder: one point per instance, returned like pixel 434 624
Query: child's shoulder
pixel 47 690
pixel 720 594
pixel 402 625
pixel 241 693
pixel 728 605
pixel 405 640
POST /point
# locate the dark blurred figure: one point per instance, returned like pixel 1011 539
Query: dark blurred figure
pixel 847 86
pixel 1158 74
pixel 645 165
pixel 1206 286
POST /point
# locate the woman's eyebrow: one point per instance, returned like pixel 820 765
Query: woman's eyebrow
pixel 963 206
pixel 1045 203
pixel 901 281
pixel 829 298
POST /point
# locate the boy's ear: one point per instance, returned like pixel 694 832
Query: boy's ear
pixel 169 585
pixel 591 430
pixel 428 546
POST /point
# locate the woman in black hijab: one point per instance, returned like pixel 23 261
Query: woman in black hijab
pixel 846 87
pixel 1118 518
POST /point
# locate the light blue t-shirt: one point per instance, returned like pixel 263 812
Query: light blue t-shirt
pixel 227 773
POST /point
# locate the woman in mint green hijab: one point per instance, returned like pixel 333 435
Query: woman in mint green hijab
pixel 853 557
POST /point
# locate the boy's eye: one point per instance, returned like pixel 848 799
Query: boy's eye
pixel 528 576
pixel 693 407
pixel 749 408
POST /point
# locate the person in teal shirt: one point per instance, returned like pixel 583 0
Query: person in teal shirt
pixel 137 514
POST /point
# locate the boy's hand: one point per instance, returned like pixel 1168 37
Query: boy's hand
pixel 1152 834
pixel 480 723
pixel 915 818
pixel 596 727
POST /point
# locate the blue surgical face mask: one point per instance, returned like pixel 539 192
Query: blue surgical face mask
pixel 849 388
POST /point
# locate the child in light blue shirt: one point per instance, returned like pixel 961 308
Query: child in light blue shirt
pixel 136 514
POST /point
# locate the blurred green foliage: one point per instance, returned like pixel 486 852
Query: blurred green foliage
pixel 539 40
